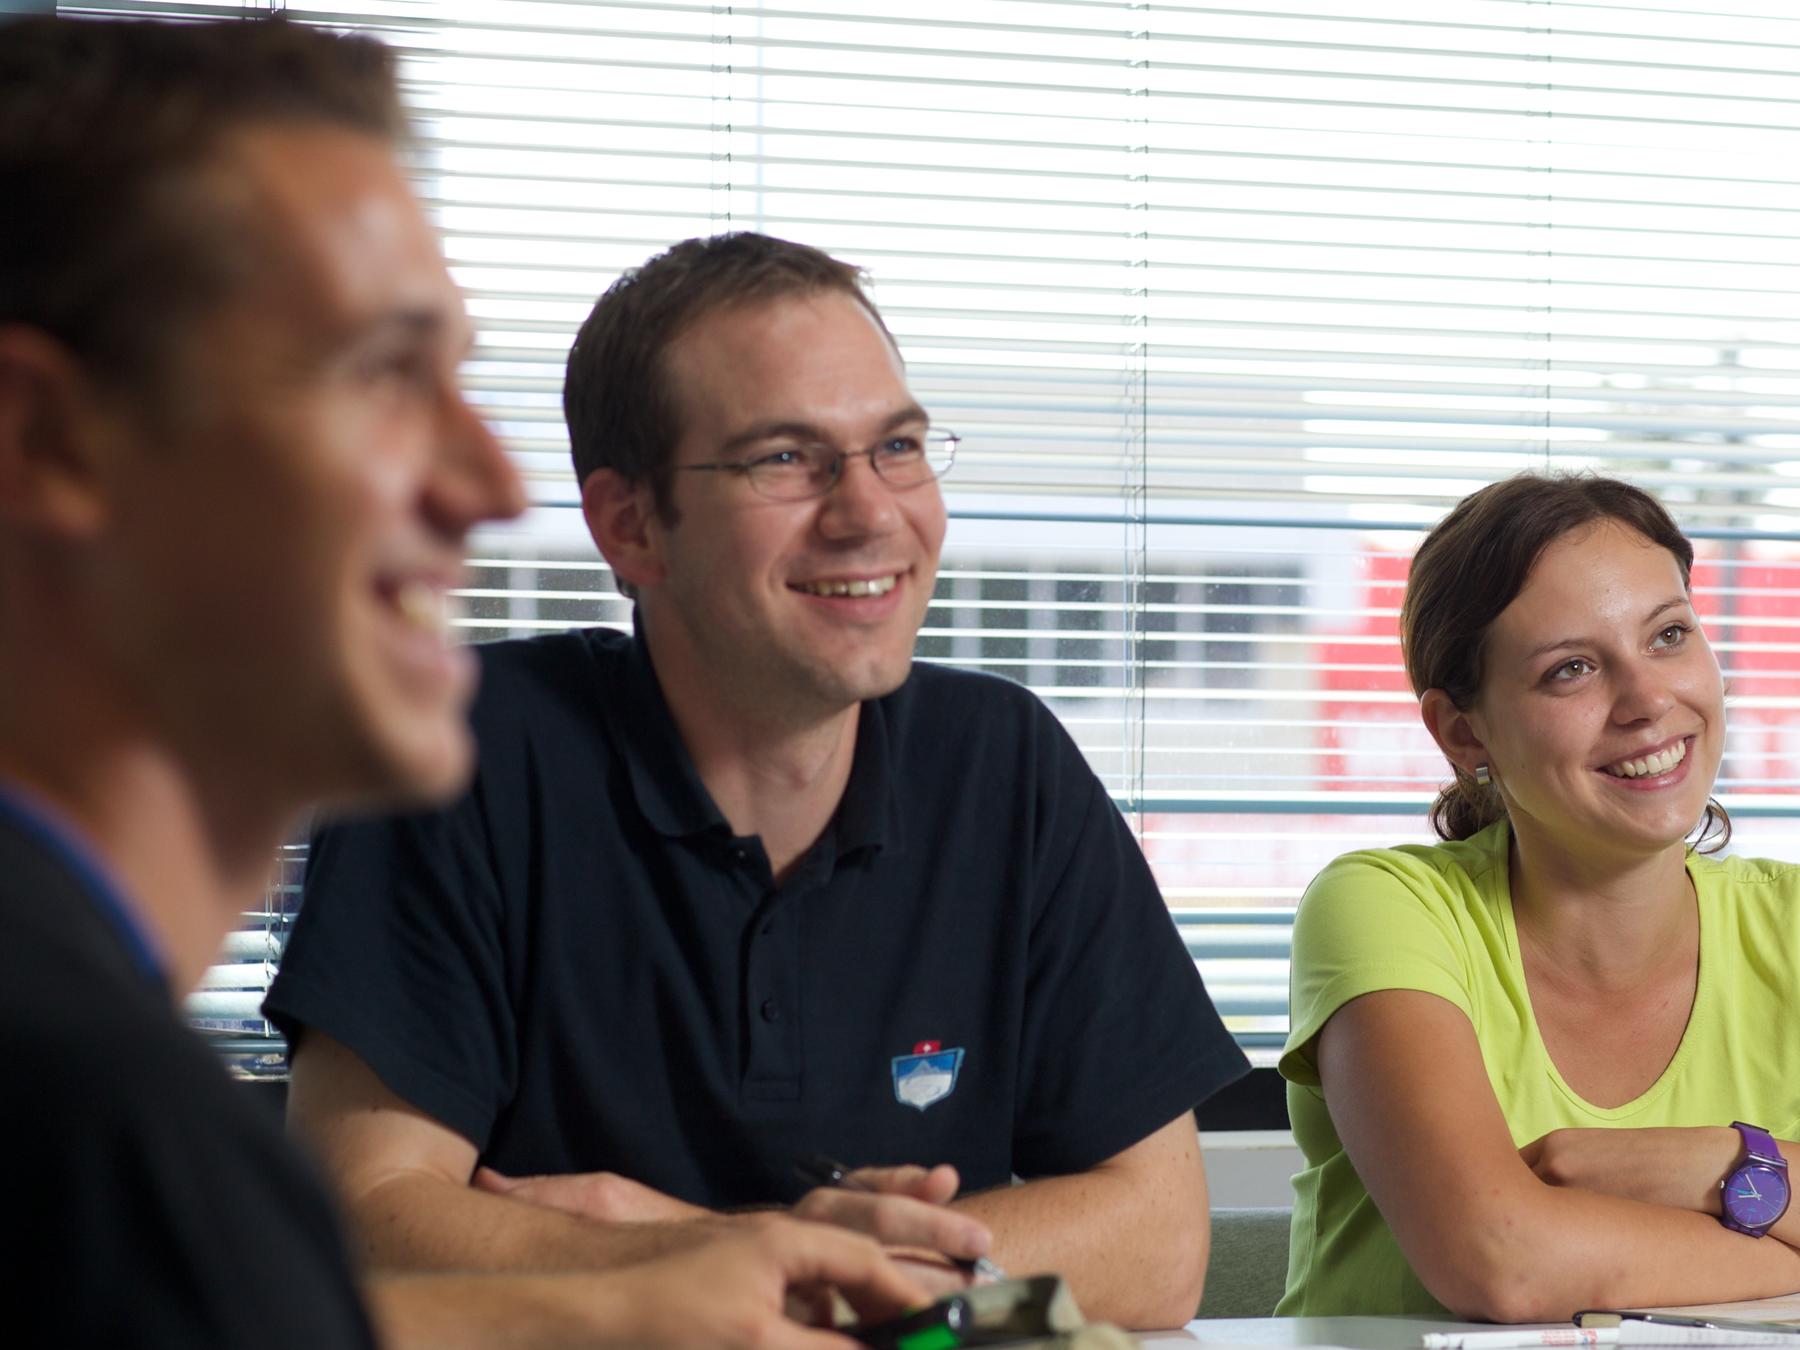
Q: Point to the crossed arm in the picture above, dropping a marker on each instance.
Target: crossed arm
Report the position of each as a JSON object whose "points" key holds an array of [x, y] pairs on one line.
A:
{"points": [[1130, 1234], [1578, 1219]]}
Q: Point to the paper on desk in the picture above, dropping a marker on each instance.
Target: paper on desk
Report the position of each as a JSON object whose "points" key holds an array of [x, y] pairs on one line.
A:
{"points": [[1628, 1333], [1781, 1308], [1664, 1333], [1637, 1326]]}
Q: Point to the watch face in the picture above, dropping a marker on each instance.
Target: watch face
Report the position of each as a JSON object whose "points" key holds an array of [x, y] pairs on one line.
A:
{"points": [[1755, 1195]]}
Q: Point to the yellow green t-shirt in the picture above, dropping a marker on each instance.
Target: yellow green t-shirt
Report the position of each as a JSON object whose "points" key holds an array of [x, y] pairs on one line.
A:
{"points": [[1439, 919]]}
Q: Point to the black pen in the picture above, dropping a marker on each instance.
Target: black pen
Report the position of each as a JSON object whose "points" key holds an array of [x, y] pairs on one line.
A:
{"points": [[815, 1169]]}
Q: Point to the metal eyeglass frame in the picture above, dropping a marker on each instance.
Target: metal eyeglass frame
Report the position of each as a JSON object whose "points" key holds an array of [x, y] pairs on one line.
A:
{"points": [[945, 442]]}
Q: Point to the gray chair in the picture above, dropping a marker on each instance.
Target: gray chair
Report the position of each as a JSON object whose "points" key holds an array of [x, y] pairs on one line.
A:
{"points": [[1247, 1270]]}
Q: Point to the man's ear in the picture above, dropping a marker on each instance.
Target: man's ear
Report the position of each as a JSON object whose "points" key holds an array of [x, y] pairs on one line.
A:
{"points": [[1454, 730], [49, 477], [622, 518]]}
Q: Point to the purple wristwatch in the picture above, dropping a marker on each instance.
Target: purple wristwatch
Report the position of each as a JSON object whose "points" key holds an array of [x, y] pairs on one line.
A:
{"points": [[1754, 1194]]}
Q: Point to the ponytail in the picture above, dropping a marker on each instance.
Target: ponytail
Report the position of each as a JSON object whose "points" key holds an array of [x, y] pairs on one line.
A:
{"points": [[1464, 808]]}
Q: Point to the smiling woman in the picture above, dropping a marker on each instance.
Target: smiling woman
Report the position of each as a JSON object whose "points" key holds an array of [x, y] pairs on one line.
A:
{"points": [[1467, 598], [1521, 1060]]}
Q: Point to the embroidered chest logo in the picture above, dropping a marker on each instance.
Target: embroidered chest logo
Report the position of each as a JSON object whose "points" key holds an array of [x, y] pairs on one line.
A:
{"points": [[927, 1075]]}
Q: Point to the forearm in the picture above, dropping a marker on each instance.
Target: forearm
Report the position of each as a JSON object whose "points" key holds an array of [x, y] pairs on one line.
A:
{"points": [[1683, 1168], [416, 1221], [1680, 1167], [1544, 1254], [405, 1180], [1132, 1254], [485, 1312]]}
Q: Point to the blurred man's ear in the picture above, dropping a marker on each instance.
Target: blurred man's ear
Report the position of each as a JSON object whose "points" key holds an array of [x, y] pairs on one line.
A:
{"points": [[49, 479], [627, 530]]}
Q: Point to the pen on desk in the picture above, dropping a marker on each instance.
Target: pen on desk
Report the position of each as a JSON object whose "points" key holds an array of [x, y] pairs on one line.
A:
{"points": [[815, 1169], [1519, 1340]]}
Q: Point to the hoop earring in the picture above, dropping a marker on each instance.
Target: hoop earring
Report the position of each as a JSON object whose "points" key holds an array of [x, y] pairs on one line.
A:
{"points": [[1482, 777]]}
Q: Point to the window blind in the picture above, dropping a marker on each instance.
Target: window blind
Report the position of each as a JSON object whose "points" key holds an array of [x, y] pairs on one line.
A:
{"points": [[1230, 301]]}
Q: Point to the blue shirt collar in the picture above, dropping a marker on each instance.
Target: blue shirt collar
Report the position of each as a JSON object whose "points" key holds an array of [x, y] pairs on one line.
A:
{"points": [[65, 842]]}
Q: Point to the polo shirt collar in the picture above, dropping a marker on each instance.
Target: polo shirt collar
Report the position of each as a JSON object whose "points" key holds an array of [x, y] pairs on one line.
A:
{"points": [[668, 788], [869, 816], [675, 801]]}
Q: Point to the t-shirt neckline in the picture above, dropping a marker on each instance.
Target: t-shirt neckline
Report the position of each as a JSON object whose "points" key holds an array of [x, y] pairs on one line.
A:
{"points": [[1664, 1081]]}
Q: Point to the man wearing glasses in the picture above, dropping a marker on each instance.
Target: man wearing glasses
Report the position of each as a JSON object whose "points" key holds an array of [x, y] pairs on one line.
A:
{"points": [[747, 886]]}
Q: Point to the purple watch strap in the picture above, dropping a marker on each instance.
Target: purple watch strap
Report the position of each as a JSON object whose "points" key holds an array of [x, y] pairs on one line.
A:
{"points": [[1759, 1144]]}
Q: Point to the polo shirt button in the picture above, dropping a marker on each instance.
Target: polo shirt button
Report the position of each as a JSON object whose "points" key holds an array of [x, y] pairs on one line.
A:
{"points": [[741, 854], [771, 1010]]}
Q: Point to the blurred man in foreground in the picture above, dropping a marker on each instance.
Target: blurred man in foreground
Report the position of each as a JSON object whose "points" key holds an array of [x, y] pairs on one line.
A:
{"points": [[236, 474]]}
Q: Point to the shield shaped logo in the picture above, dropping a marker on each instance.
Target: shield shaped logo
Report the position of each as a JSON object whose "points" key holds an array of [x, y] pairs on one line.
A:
{"points": [[927, 1075]]}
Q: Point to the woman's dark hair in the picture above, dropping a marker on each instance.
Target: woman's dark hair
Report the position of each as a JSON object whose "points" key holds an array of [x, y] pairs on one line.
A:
{"points": [[1472, 565]]}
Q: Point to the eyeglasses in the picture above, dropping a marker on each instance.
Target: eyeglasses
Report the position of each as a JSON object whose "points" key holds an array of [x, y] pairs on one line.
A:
{"points": [[795, 471]]}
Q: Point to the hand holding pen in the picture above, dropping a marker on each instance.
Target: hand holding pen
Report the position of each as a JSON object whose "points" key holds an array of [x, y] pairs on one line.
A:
{"points": [[921, 1219]]}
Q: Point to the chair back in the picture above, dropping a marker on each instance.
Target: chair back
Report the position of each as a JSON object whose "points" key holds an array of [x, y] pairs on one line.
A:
{"points": [[1246, 1273]]}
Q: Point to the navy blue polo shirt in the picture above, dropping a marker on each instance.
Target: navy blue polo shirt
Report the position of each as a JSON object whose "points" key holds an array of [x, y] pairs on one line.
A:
{"points": [[579, 967]]}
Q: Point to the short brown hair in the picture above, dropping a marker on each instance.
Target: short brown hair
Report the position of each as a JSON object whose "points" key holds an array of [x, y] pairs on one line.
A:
{"points": [[620, 409], [109, 239], [1471, 567]]}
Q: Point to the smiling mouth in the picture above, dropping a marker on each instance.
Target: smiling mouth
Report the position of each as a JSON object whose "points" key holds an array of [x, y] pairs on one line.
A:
{"points": [[422, 606], [1649, 766], [846, 586]]}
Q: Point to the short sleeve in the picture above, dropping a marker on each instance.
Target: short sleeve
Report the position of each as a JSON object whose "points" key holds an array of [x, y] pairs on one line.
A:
{"points": [[398, 953], [1382, 919], [1121, 1037]]}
